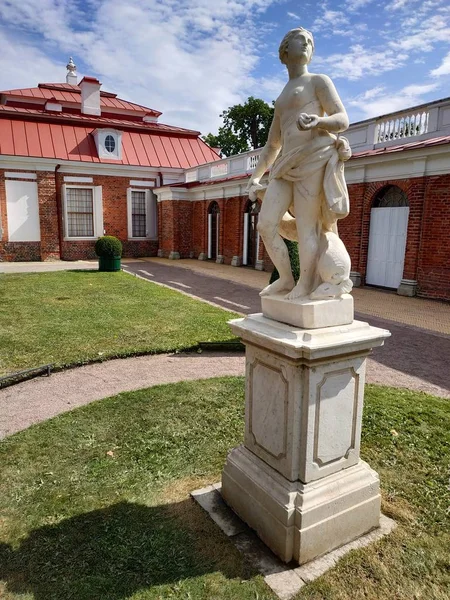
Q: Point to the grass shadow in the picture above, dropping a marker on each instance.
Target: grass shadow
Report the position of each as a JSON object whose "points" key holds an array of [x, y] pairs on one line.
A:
{"points": [[111, 553]]}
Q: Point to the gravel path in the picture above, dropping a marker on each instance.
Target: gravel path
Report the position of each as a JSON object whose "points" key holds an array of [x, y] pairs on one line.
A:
{"points": [[38, 399], [45, 397]]}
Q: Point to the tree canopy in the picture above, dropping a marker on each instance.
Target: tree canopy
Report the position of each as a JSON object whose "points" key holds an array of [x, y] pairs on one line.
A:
{"points": [[245, 127]]}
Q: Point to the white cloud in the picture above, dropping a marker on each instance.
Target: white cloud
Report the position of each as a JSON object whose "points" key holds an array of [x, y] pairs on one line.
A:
{"points": [[443, 69], [372, 93], [269, 88], [335, 22], [189, 59], [355, 5], [23, 65], [294, 16], [396, 4], [433, 30], [379, 101], [331, 19], [361, 62]]}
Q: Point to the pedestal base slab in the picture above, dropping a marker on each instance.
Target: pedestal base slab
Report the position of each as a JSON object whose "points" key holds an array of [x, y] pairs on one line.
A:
{"points": [[301, 521], [309, 314]]}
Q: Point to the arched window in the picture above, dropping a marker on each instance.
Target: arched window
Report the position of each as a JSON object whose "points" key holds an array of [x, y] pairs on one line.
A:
{"points": [[213, 230], [390, 197], [251, 236]]}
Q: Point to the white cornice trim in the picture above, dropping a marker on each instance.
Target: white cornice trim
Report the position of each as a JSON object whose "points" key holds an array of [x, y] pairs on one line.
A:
{"points": [[75, 167], [399, 156]]}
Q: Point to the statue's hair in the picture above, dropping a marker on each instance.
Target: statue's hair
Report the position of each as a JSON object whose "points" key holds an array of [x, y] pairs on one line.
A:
{"points": [[282, 51]]}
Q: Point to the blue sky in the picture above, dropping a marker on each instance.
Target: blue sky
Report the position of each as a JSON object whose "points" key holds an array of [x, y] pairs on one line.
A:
{"points": [[191, 59]]}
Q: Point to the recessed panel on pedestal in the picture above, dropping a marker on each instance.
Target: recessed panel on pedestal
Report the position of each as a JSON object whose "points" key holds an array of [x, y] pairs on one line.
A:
{"points": [[268, 408], [336, 414]]}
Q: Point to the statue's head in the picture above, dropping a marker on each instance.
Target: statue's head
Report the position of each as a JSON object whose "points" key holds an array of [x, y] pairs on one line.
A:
{"points": [[299, 32]]}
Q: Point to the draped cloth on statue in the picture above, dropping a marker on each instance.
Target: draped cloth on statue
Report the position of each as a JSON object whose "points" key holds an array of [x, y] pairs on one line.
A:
{"points": [[326, 151]]}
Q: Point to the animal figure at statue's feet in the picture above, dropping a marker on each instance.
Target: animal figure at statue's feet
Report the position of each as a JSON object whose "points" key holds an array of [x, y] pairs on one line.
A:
{"points": [[333, 268]]}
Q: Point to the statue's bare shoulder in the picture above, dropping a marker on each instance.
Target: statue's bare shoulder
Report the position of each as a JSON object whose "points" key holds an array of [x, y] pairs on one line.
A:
{"points": [[327, 93]]}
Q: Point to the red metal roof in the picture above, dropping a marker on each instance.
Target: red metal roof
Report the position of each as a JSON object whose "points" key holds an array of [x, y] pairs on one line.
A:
{"points": [[65, 92], [65, 141], [39, 113]]}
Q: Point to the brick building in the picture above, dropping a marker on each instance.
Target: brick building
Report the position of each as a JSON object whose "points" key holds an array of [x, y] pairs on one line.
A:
{"points": [[77, 162], [398, 230]]}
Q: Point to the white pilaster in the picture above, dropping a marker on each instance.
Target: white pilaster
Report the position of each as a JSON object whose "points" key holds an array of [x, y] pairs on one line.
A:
{"points": [[244, 258], [209, 235]]}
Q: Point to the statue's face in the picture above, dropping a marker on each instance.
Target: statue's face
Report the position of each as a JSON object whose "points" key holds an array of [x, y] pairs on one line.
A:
{"points": [[300, 48]]}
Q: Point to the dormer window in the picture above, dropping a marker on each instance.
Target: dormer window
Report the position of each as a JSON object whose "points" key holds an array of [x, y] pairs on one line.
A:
{"points": [[109, 143], [53, 105]]}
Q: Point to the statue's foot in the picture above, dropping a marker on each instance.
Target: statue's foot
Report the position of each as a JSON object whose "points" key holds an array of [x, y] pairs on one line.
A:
{"points": [[280, 285], [328, 290], [299, 291], [325, 291]]}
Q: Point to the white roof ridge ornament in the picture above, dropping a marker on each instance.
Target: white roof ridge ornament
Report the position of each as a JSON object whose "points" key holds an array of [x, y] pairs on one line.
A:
{"points": [[71, 76]]}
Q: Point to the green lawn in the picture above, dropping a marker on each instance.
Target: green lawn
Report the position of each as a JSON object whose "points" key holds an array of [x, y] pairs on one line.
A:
{"points": [[74, 317], [94, 504]]}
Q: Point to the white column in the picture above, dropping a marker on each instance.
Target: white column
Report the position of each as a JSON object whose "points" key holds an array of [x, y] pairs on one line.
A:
{"points": [[245, 251], [209, 235], [217, 234]]}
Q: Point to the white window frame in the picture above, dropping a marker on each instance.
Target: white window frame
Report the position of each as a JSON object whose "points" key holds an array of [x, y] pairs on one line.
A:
{"points": [[151, 226], [100, 136], [97, 205]]}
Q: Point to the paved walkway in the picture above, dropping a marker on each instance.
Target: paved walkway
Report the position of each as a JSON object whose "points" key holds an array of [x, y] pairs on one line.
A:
{"points": [[415, 357], [418, 312]]}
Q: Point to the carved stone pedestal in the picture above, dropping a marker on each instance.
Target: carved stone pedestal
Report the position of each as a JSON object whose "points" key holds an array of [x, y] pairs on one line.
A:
{"points": [[298, 481]]}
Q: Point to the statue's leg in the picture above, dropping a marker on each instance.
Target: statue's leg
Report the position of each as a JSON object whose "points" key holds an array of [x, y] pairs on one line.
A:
{"points": [[276, 202], [308, 212]]}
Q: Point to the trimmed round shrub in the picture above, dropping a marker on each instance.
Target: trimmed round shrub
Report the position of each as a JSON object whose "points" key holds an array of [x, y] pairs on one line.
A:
{"points": [[108, 245], [293, 257]]}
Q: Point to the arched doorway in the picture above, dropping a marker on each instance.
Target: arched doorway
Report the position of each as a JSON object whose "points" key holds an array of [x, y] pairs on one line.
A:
{"points": [[251, 235], [213, 230], [387, 238]]}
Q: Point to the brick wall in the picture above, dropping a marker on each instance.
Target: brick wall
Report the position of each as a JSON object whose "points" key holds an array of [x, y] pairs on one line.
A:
{"points": [[200, 227], [53, 245], [175, 227], [183, 227], [350, 227], [427, 255], [433, 273], [48, 215], [233, 234], [115, 220]]}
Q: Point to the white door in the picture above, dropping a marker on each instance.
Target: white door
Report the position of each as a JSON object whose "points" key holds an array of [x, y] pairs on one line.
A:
{"points": [[387, 245]]}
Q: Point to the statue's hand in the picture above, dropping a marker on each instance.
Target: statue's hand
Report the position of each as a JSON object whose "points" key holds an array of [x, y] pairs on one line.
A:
{"points": [[305, 121], [253, 187]]}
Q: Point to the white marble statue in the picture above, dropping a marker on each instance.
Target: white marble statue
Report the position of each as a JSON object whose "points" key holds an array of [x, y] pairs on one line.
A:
{"points": [[306, 179]]}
